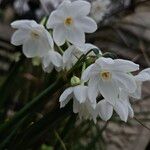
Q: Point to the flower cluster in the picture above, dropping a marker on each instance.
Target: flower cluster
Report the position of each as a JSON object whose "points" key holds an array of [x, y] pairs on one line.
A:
{"points": [[101, 84]]}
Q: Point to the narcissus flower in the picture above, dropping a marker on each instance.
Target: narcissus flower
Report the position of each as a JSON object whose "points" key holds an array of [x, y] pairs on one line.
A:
{"points": [[35, 39], [78, 93], [81, 103], [106, 76], [121, 106], [85, 110], [52, 60], [70, 22], [73, 53]]}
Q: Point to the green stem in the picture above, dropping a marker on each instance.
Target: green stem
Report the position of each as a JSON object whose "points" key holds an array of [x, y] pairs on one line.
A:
{"points": [[68, 44], [7, 140], [83, 67], [60, 140], [146, 127], [79, 62], [43, 21], [28, 108], [66, 130], [4, 90], [42, 127], [60, 50], [99, 135]]}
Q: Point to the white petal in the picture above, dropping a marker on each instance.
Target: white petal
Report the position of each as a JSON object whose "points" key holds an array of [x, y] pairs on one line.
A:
{"points": [[36, 47], [19, 37], [85, 48], [56, 58], [48, 68], [63, 103], [125, 65], [76, 106], [104, 109], [80, 93], [43, 47], [58, 69], [125, 81], [23, 24], [83, 7], [121, 110], [30, 48], [68, 60], [123, 95], [68, 54], [46, 60], [55, 19], [64, 5], [87, 24], [66, 96], [86, 74], [52, 59], [90, 71], [138, 92], [49, 38], [109, 91], [75, 36], [147, 70], [92, 111], [130, 110], [59, 35], [93, 90], [144, 75], [105, 63]]}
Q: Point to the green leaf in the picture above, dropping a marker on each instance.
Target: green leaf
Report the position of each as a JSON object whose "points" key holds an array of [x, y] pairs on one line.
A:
{"points": [[36, 103]]}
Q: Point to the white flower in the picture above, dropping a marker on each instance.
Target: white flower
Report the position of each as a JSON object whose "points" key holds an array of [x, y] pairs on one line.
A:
{"points": [[121, 106], [35, 39], [78, 93], [51, 60], [106, 76], [73, 53], [70, 22], [85, 110], [99, 9], [143, 76], [81, 103]]}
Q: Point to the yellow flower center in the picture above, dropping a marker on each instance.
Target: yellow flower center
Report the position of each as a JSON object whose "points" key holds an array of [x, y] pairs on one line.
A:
{"points": [[105, 75], [35, 34], [68, 21]]}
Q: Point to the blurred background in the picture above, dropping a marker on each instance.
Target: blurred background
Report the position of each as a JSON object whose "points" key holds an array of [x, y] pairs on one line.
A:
{"points": [[124, 29]]}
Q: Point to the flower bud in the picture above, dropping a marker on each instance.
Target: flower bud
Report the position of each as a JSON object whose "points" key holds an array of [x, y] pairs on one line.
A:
{"points": [[75, 81], [36, 61]]}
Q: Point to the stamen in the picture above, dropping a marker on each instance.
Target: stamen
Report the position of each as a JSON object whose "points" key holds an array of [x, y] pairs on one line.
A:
{"points": [[105, 75], [68, 21]]}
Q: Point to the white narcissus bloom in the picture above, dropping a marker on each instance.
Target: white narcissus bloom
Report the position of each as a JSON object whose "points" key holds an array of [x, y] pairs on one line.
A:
{"points": [[106, 76], [70, 22], [143, 76], [121, 106], [85, 110], [52, 60], [73, 53], [81, 103], [36, 40], [99, 9], [78, 93]]}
